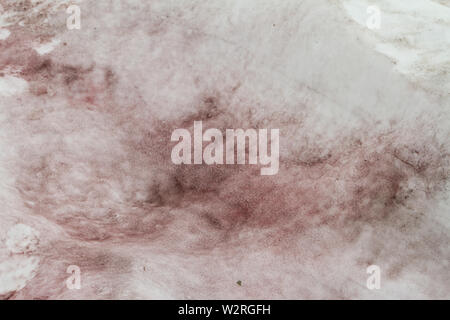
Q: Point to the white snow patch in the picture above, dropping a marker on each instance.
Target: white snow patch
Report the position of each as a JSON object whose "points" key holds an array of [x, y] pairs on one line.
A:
{"points": [[47, 47], [414, 33], [10, 85], [16, 272], [4, 34], [22, 239]]}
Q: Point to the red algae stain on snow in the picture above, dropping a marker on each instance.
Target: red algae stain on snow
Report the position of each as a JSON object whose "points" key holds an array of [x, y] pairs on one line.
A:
{"points": [[92, 164]]}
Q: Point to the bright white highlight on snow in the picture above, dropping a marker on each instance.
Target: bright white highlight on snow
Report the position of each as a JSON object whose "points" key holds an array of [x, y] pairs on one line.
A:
{"points": [[10, 85], [4, 34], [47, 47]]}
